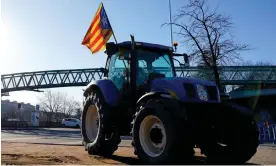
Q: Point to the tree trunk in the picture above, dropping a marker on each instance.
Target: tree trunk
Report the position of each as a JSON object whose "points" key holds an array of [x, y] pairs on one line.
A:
{"points": [[217, 79], [215, 67]]}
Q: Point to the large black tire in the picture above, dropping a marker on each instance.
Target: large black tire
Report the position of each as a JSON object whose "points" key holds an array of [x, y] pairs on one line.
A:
{"points": [[178, 147], [108, 138], [241, 143]]}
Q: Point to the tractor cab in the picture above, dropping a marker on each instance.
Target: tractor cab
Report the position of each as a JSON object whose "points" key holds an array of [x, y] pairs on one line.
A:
{"points": [[150, 61]]}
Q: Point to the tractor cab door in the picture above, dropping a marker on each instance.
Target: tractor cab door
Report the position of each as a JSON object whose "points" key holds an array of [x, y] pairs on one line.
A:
{"points": [[117, 71], [141, 72]]}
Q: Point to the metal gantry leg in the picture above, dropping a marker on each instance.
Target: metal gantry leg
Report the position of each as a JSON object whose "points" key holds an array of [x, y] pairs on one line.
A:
{"points": [[267, 134], [274, 134]]}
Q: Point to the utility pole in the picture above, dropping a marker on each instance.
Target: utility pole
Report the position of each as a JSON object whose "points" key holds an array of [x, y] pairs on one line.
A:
{"points": [[171, 22], [19, 106]]}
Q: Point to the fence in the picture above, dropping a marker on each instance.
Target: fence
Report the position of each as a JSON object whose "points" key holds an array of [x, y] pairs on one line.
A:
{"points": [[267, 134]]}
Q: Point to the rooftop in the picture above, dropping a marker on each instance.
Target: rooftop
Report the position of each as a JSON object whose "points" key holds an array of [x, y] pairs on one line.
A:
{"points": [[146, 45]]}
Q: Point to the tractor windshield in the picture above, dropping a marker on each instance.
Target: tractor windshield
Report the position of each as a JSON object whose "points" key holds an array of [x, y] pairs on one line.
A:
{"points": [[148, 62], [152, 62], [155, 62]]}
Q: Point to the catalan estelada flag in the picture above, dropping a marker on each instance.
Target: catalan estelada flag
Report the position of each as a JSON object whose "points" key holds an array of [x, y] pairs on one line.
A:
{"points": [[99, 31]]}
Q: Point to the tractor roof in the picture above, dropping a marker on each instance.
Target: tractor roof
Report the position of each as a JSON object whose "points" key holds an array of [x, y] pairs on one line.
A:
{"points": [[146, 45]]}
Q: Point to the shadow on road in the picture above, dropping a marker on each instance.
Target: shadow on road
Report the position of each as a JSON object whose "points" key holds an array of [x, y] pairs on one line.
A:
{"points": [[126, 160], [198, 160]]}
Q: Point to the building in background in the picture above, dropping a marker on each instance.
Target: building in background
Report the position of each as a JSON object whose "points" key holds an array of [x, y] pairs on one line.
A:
{"points": [[27, 112], [10, 111]]}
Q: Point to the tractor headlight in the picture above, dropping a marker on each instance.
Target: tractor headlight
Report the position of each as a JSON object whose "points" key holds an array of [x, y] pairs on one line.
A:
{"points": [[201, 92]]}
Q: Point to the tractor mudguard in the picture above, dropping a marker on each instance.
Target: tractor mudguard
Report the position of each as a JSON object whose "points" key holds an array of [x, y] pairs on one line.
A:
{"points": [[167, 100], [108, 89], [151, 95]]}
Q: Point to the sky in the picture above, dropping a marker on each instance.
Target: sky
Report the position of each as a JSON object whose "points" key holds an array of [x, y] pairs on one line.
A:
{"points": [[47, 34]]}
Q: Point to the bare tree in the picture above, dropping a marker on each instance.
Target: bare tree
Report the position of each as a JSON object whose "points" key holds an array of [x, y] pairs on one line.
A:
{"points": [[208, 34], [52, 103], [78, 113], [69, 107]]}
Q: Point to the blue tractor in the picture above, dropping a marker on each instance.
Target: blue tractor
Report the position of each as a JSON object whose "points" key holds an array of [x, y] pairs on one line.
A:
{"points": [[166, 116]]}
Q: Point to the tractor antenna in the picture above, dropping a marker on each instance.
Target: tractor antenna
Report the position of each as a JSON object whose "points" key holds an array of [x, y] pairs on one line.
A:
{"points": [[132, 42]]}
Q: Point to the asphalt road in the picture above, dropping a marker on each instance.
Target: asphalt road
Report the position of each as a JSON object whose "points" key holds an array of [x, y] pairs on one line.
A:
{"points": [[59, 136]]}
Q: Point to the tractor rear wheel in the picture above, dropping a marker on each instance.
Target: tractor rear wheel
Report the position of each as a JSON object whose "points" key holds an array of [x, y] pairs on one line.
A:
{"points": [[158, 137], [240, 142], [98, 136], [241, 149]]}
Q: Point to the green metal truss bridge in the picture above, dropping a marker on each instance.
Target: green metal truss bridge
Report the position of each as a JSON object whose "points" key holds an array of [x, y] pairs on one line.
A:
{"points": [[229, 75]]}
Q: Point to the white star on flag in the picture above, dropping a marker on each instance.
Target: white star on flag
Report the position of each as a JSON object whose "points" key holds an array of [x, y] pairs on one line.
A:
{"points": [[104, 21]]}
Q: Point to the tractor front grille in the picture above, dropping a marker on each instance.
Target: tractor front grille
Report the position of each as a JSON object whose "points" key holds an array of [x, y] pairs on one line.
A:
{"points": [[190, 90]]}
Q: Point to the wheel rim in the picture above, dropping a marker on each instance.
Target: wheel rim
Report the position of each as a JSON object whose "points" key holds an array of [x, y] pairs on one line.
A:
{"points": [[92, 123], [152, 136]]}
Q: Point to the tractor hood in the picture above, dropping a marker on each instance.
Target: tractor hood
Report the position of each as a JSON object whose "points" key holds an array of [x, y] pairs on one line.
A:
{"points": [[187, 89]]}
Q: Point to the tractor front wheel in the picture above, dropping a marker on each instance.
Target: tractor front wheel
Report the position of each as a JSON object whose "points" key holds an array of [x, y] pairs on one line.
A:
{"points": [[158, 137], [98, 136]]}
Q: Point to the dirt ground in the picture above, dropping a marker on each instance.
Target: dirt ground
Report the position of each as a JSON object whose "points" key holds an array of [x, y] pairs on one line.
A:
{"points": [[30, 153]]}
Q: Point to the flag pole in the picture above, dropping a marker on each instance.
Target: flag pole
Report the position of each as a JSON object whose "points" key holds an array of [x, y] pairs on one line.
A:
{"points": [[110, 26], [114, 36]]}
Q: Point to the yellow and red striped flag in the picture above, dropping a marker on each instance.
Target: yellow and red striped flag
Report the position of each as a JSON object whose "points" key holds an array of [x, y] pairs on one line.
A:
{"points": [[99, 31]]}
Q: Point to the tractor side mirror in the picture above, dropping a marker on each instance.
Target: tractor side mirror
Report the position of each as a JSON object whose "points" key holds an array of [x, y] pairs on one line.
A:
{"points": [[186, 59], [185, 56], [111, 48]]}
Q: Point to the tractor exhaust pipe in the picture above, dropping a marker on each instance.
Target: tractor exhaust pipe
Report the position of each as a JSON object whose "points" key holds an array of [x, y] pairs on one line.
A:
{"points": [[133, 56]]}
